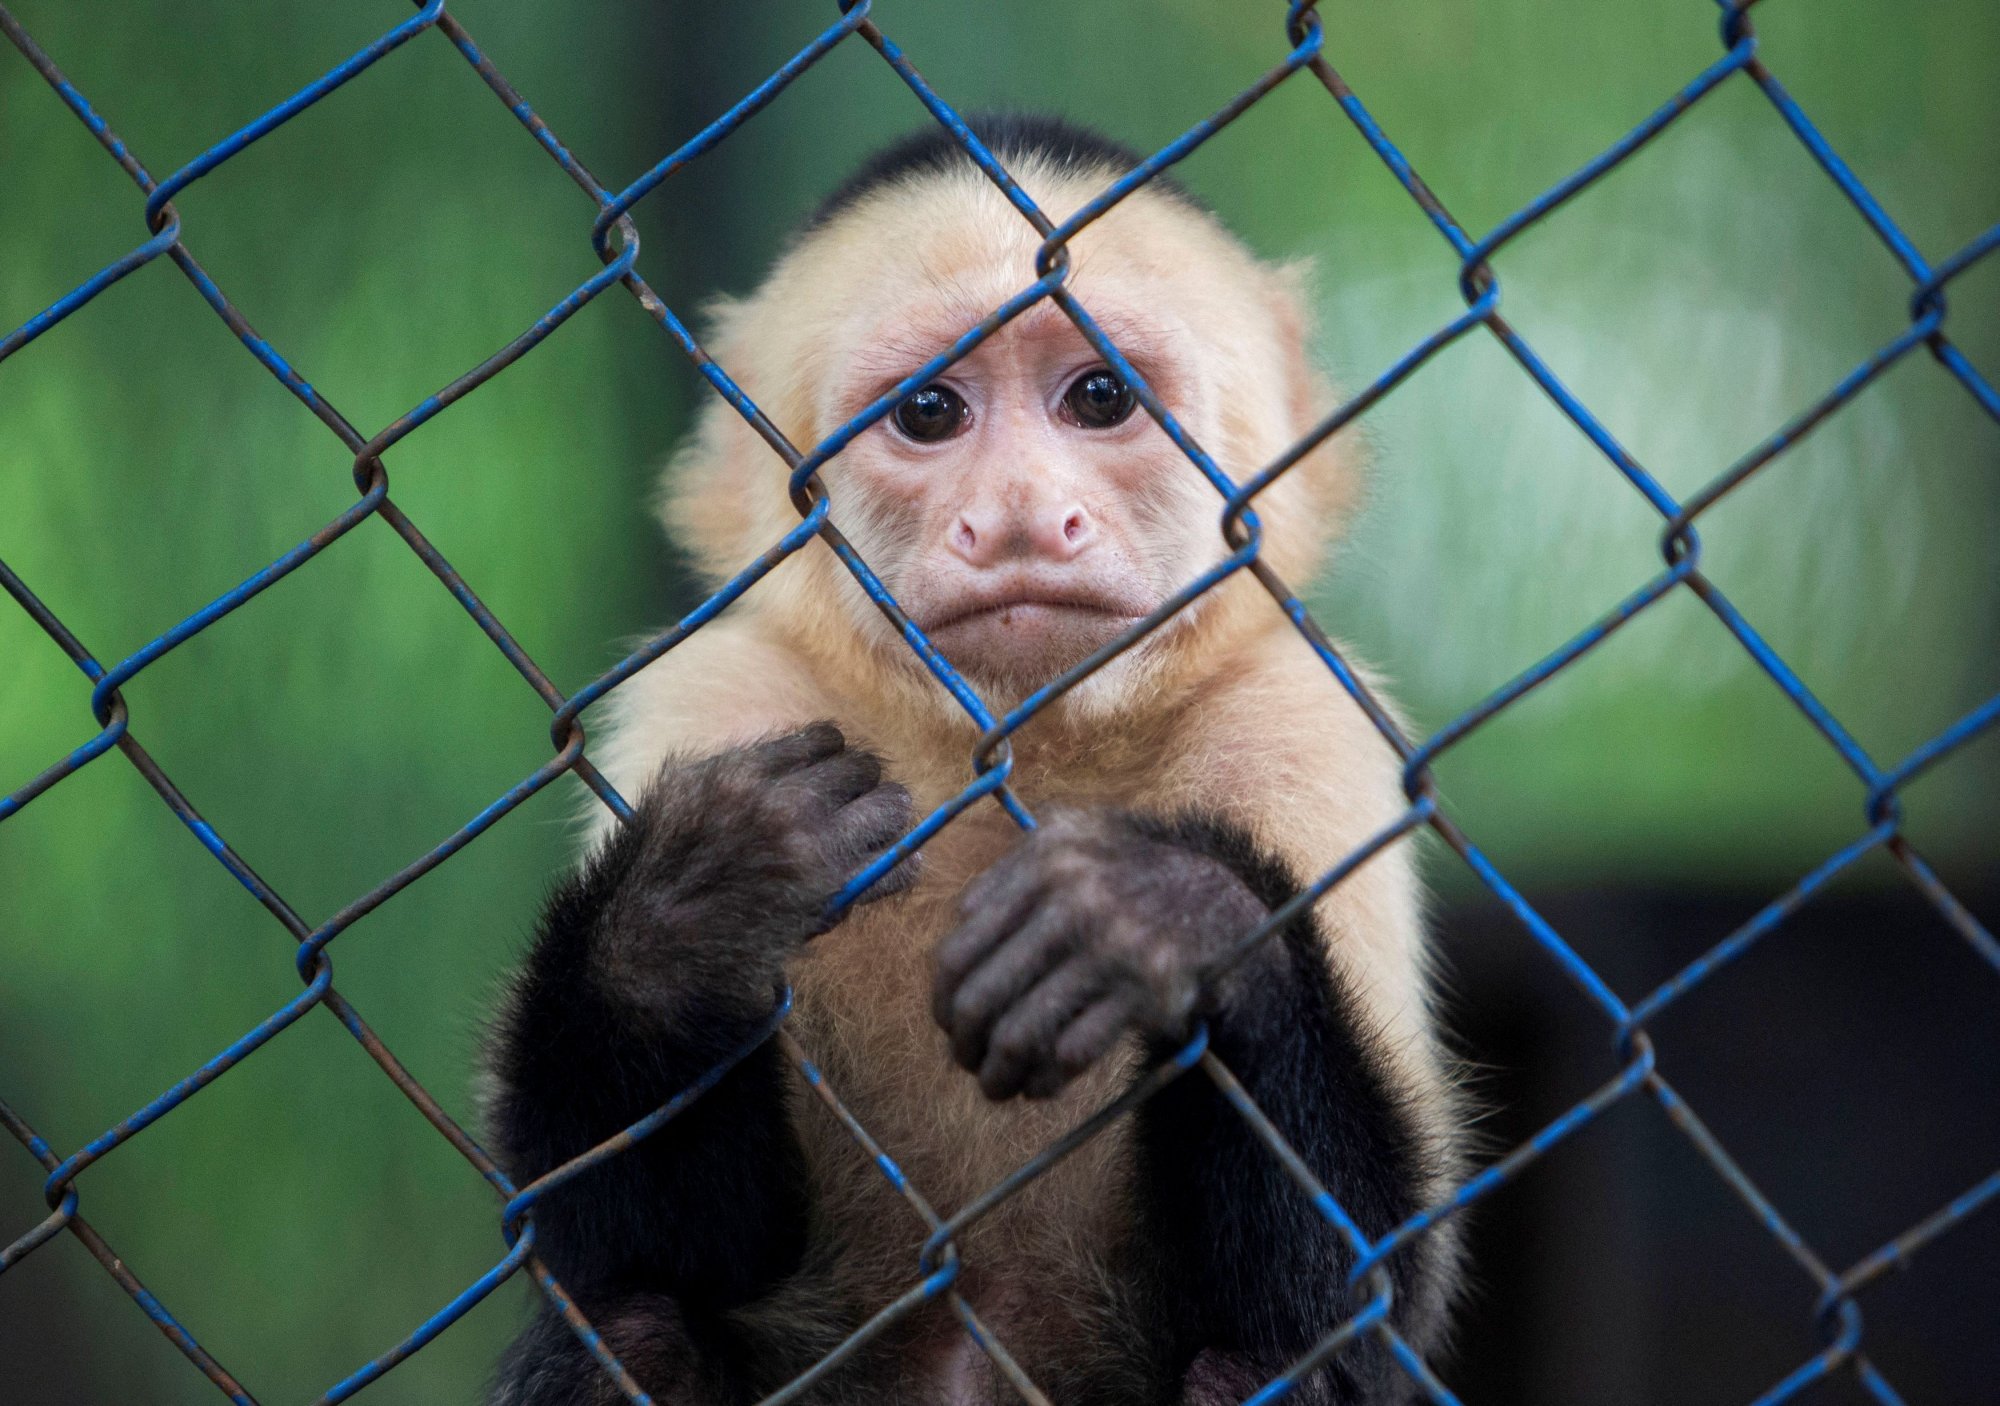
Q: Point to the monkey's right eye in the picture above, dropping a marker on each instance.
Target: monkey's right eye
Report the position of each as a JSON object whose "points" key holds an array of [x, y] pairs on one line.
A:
{"points": [[932, 414]]}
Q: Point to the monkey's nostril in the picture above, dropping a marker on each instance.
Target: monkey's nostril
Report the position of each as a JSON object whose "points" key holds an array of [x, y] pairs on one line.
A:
{"points": [[1073, 526], [965, 538]]}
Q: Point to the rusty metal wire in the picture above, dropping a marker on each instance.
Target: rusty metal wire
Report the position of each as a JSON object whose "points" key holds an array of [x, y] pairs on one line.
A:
{"points": [[1300, 47]]}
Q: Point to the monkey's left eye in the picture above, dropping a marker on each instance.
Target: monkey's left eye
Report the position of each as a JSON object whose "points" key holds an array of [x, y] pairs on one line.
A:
{"points": [[931, 414], [1099, 399]]}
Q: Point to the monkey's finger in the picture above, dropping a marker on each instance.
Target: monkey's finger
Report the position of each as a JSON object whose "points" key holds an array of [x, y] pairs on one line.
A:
{"points": [[1003, 882], [899, 879], [837, 779], [865, 827], [774, 756], [1022, 1049], [870, 822], [989, 907], [999, 910], [1012, 969], [1088, 1039], [980, 928]]}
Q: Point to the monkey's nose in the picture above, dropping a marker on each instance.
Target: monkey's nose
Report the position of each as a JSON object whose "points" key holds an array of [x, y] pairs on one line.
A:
{"points": [[1063, 534], [1058, 533]]}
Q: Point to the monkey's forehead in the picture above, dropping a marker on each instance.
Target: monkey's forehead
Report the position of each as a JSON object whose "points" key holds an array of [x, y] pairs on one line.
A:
{"points": [[908, 269], [952, 240]]}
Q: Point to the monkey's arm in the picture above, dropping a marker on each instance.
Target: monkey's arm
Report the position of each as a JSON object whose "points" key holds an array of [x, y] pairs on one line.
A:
{"points": [[654, 963], [1101, 923]]}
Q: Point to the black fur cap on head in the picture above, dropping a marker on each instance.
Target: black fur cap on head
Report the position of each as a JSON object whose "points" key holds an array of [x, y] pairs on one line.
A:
{"points": [[1066, 145]]}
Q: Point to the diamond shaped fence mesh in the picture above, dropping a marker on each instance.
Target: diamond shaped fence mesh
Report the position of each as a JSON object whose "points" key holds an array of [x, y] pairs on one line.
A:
{"points": [[1301, 52]]}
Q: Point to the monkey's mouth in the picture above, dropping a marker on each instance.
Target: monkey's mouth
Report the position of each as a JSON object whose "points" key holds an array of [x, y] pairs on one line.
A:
{"points": [[1031, 607], [1031, 611], [1030, 634]]}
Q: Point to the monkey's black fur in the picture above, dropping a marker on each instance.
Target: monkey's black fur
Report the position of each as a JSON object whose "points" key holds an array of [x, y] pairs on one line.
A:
{"points": [[1259, 1269], [663, 954], [655, 962], [1066, 145]]}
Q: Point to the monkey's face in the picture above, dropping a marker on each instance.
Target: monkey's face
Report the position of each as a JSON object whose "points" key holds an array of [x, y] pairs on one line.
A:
{"points": [[1022, 507]]}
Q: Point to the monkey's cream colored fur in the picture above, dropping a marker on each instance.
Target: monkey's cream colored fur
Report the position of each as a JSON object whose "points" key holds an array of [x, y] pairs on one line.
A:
{"points": [[1227, 710]]}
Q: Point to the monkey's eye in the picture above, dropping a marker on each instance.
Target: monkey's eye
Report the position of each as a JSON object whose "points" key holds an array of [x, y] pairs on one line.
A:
{"points": [[1099, 399], [931, 414]]}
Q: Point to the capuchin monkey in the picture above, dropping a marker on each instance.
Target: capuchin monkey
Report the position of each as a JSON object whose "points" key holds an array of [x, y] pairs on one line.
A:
{"points": [[1007, 984]]}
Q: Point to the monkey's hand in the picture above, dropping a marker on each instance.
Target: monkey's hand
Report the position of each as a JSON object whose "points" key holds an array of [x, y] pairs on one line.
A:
{"points": [[728, 862], [1095, 924]]}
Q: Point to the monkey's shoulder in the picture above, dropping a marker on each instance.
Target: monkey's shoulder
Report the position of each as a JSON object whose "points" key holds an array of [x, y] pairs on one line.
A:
{"points": [[1228, 758], [727, 684]]}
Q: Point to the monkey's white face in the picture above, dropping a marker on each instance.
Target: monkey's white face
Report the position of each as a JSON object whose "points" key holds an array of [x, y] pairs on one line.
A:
{"points": [[1023, 510], [1023, 507]]}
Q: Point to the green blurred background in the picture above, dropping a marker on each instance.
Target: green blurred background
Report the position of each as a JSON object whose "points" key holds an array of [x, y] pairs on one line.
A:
{"points": [[299, 1216]]}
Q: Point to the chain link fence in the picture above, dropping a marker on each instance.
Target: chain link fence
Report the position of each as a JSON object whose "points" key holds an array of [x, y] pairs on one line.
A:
{"points": [[1302, 48]]}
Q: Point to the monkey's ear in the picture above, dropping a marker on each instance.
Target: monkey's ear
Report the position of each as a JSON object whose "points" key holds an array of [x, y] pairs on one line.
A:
{"points": [[1291, 298], [1327, 481], [723, 493]]}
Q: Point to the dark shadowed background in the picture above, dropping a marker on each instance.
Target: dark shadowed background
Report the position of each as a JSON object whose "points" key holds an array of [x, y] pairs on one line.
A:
{"points": [[300, 1217]]}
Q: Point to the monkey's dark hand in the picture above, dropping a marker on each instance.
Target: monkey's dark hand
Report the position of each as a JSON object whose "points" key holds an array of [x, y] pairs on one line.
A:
{"points": [[727, 864], [1090, 927]]}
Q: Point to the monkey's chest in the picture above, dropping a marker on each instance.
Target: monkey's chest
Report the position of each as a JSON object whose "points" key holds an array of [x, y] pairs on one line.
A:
{"points": [[1034, 1265]]}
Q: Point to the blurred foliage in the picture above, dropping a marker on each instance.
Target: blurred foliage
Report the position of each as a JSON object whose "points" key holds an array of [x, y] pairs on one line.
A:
{"points": [[299, 1216]]}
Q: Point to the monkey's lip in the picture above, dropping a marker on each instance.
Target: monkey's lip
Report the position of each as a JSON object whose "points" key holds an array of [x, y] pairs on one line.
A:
{"points": [[1032, 604]]}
